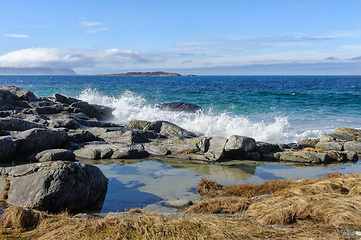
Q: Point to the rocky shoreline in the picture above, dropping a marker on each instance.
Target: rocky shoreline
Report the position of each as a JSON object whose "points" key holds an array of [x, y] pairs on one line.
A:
{"points": [[52, 132]]}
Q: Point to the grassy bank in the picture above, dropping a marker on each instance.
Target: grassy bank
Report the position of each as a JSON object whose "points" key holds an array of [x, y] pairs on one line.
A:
{"points": [[303, 209]]}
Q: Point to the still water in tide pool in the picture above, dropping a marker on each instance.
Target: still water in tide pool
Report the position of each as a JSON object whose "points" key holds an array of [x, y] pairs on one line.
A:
{"points": [[149, 183]]}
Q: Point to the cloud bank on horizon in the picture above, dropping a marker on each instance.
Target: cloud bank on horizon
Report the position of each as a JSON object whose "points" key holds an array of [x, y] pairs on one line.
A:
{"points": [[233, 38]]}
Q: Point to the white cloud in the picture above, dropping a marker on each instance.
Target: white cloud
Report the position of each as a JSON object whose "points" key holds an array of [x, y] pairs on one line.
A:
{"points": [[97, 30], [89, 24], [74, 58], [16, 35]]}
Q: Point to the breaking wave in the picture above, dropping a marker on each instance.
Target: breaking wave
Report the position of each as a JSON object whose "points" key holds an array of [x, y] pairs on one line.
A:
{"points": [[129, 106]]}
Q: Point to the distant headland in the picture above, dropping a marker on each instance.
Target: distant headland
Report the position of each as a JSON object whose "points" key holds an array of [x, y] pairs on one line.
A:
{"points": [[158, 73]]}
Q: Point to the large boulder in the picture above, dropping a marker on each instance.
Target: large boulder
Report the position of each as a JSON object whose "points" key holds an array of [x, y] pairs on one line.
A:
{"points": [[52, 155], [38, 139], [52, 186], [22, 94]]}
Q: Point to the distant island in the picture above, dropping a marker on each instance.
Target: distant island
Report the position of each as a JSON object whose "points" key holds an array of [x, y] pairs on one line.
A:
{"points": [[158, 73]]}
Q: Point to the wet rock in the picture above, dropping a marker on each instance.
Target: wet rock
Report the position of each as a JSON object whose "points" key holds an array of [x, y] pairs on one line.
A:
{"points": [[52, 155], [180, 107], [65, 100], [53, 186]]}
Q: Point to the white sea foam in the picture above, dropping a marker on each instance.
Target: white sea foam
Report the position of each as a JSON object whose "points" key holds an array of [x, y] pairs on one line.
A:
{"points": [[129, 106]]}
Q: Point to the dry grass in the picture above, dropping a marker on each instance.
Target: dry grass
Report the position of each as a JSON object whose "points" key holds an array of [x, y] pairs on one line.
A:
{"points": [[156, 226], [220, 205], [208, 187], [334, 200]]}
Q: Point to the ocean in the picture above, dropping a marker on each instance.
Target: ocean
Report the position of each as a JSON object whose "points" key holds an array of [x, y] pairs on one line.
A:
{"points": [[275, 109]]}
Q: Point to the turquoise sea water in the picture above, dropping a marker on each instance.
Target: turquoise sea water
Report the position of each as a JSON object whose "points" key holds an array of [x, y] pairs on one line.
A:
{"points": [[276, 109]]}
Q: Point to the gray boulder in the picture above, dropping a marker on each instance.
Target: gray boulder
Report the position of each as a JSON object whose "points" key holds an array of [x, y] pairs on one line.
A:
{"points": [[16, 124], [22, 94], [353, 146], [338, 146], [38, 139], [134, 151], [52, 155], [53, 186]]}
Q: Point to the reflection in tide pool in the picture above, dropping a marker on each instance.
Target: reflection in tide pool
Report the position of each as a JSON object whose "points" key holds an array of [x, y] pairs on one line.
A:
{"points": [[148, 183]]}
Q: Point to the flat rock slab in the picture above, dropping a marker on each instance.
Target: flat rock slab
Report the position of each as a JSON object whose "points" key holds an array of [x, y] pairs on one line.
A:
{"points": [[53, 186]]}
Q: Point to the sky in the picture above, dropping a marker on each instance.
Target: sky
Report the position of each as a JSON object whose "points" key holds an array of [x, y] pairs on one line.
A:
{"points": [[228, 37]]}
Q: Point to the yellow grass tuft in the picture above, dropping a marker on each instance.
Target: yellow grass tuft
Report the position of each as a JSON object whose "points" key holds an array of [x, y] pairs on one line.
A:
{"points": [[220, 205], [208, 187]]}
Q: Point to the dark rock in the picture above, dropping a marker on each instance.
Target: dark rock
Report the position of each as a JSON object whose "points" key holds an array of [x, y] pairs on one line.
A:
{"points": [[52, 155], [180, 107], [53, 186], [266, 148], [16, 124], [38, 139], [22, 94], [65, 100], [94, 111], [80, 136], [95, 152]]}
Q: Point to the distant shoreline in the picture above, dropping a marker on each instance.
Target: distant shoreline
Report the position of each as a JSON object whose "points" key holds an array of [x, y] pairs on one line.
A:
{"points": [[158, 73]]}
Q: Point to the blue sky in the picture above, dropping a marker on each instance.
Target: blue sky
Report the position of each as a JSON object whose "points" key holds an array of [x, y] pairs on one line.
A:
{"points": [[189, 37]]}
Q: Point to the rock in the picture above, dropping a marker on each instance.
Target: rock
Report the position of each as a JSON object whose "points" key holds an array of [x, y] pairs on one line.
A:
{"points": [[128, 136], [22, 94], [236, 144], [38, 139], [53, 186], [338, 146], [156, 148], [53, 155], [180, 107], [266, 148], [8, 147], [256, 156], [95, 152], [167, 128], [214, 148], [65, 100], [137, 124], [309, 142], [93, 110], [181, 203], [134, 151], [81, 136], [64, 122], [15, 124], [303, 157], [353, 146]]}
